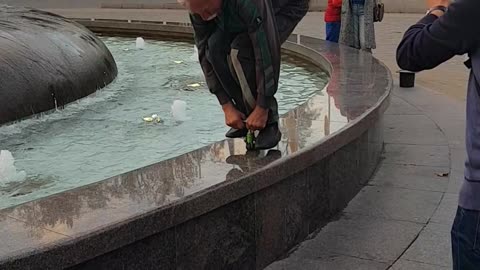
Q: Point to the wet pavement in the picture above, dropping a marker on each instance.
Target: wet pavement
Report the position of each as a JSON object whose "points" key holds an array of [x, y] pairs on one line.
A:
{"points": [[401, 220]]}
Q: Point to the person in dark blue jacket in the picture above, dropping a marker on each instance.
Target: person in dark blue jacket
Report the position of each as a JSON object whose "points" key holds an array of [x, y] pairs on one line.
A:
{"points": [[446, 31]]}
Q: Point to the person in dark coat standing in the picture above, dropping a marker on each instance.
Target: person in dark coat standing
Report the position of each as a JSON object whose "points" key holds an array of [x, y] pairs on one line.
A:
{"points": [[358, 29], [446, 31]]}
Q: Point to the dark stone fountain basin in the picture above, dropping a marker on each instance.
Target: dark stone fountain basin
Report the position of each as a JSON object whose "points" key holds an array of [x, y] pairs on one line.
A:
{"points": [[47, 61], [217, 207]]}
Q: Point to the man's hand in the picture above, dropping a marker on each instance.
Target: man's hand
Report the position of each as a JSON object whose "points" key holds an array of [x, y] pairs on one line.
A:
{"points": [[257, 119], [434, 3], [233, 118]]}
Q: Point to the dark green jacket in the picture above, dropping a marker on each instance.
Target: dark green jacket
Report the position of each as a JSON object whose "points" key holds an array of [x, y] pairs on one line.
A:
{"points": [[257, 17]]}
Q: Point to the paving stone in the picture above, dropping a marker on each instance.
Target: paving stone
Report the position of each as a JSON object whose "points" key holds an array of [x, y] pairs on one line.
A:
{"points": [[399, 106], [445, 213], [457, 159], [411, 177], [395, 203], [455, 182], [413, 129], [364, 237], [454, 130], [419, 155], [328, 262], [420, 96], [427, 100], [432, 246], [409, 265], [454, 111]]}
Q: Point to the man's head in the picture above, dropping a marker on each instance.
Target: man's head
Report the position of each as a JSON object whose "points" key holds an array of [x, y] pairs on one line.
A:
{"points": [[207, 9]]}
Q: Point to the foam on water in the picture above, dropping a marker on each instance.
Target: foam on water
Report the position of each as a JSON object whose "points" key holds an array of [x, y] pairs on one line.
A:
{"points": [[70, 110], [140, 43], [8, 172], [195, 54], [179, 110]]}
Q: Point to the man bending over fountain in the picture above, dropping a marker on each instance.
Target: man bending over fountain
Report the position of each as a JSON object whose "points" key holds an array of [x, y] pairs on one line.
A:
{"points": [[239, 44]]}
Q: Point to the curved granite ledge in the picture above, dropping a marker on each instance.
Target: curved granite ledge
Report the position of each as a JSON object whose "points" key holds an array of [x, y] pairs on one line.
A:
{"points": [[47, 61], [217, 207]]}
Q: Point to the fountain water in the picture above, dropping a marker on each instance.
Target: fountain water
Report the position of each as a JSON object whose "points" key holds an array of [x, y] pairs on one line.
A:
{"points": [[195, 54], [131, 123], [140, 43], [8, 172], [179, 110]]}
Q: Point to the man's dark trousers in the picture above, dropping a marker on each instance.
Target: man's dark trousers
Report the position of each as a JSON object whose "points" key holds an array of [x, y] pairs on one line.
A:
{"points": [[219, 49], [466, 240]]}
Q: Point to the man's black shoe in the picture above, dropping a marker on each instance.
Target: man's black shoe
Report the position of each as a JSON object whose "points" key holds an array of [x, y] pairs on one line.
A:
{"points": [[236, 133], [268, 137]]}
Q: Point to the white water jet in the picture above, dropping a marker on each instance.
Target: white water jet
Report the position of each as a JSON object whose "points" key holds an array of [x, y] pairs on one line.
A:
{"points": [[8, 172], [179, 110], [194, 56], [140, 43]]}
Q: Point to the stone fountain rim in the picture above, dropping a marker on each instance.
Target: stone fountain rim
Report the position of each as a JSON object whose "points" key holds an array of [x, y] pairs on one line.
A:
{"points": [[204, 201]]}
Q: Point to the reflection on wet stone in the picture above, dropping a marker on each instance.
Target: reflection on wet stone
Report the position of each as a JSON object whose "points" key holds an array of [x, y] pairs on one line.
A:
{"points": [[249, 162], [16, 240], [148, 188]]}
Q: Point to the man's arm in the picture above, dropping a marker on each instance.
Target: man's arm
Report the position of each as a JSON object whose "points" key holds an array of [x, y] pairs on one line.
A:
{"points": [[203, 30], [434, 40], [261, 28]]}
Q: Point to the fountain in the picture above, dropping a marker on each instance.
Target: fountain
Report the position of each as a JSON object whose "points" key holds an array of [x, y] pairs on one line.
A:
{"points": [[47, 62], [139, 119], [140, 43], [116, 185], [179, 110], [8, 172]]}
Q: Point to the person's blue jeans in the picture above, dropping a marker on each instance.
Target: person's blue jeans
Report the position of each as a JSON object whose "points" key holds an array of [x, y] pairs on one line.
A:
{"points": [[466, 240], [333, 31], [358, 12]]}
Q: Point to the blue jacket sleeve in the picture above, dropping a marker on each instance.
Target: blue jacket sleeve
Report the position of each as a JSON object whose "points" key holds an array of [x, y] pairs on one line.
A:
{"points": [[433, 40]]}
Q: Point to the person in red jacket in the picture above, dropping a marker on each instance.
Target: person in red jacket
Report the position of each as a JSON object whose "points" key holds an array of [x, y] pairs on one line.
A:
{"points": [[333, 19]]}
